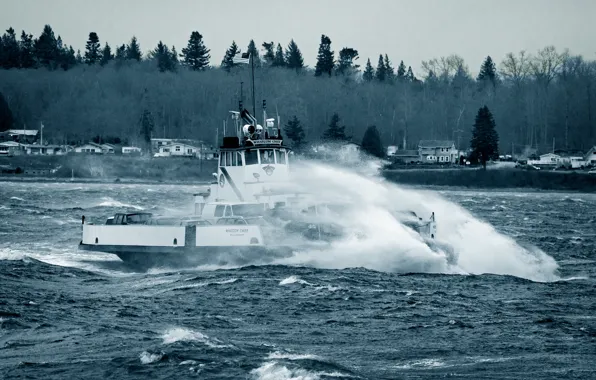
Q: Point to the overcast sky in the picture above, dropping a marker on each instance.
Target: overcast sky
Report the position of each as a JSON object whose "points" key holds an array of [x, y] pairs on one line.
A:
{"points": [[408, 30]]}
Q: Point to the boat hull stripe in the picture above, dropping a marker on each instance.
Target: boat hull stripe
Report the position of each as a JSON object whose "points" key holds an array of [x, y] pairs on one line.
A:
{"points": [[231, 182]]}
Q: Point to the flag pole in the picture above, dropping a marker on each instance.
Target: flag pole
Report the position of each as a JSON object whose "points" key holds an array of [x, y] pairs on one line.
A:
{"points": [[252, 68]]}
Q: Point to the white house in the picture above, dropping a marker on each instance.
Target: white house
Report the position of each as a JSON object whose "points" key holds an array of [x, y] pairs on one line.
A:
{"points": [[590, 158], [11, 148], [51, 150], [108, 149], [391, 150], [177, 149], [92, 148], [547, 159], [437, 151], [131, 150]]}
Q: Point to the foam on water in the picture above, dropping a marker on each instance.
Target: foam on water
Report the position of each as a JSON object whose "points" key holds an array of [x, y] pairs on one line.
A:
{"points": [[391, 246]]}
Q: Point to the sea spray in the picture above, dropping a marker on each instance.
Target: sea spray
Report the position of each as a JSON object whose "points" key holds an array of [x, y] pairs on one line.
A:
{"points": [[388, 245]]}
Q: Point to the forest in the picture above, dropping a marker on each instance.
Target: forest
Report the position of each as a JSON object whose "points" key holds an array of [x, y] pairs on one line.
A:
{"points": [[542, 100]]}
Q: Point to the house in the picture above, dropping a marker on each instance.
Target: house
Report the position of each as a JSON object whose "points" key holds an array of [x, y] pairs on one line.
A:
{"points": [[158, 143], [36, 149], [177, 149], [91, 147], [131, 150], [406, 156], [23, 136], [108, 149], [590, 157], [391, 150], [12, 148], [437, 151], [547, 159]]}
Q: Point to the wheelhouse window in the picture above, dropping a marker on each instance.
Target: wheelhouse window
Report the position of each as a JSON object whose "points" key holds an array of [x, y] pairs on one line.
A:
{"points": [[177, 148], [281, 157], [267, 156], [219, 211], [251, 157], [248, 210], [239, 158], [222, 159]]}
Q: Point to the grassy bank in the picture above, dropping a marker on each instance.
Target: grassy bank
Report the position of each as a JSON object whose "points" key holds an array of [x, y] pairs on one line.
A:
{"points": [[505, 178], [89, 167]]}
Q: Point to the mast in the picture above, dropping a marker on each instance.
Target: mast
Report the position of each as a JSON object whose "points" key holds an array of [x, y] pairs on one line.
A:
{"points": [[252, 69]]}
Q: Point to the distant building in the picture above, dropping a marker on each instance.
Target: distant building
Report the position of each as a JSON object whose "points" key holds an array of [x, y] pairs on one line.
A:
{"points": [[157, 143], [89, 148], [406, 156], [437, 151], [590, 157], [108, 149], [23, 136], [36, 149], [546, 160], [12, 148], [391, 150], [131, 150], [177, 149]]}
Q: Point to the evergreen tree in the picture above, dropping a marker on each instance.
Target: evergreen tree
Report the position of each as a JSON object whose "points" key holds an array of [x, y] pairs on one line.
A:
{"points": [[371, 142], [334, 132], [228, 60], [325, 60], [488, 72], [106, 55], [345, 62], [381, 74], [133, 50], [163, 56], [269, 54], [147, 125], [10, 57], [389, 71], [195, 55], [254, 53], [295, 132], [279, 60], [120, 53], [92, 49], [401, 71], [68, 58], [6, 118], [79, 58], [410, 75], [27, 57], [369, 73], [174, 59], [46, 49], [294, 58], [485, 140]]}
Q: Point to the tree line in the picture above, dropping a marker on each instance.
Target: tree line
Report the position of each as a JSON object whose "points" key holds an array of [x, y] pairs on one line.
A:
{"points": [[537, 100]]}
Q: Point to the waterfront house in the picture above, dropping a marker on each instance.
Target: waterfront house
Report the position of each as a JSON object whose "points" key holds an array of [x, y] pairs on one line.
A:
{"points": [[89, 148], [437, 151]]}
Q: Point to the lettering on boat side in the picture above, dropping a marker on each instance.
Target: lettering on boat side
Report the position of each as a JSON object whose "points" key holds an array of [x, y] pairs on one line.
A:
{"points": [[237, 230]]}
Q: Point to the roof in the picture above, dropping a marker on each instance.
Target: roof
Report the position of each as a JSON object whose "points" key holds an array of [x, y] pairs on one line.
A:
{"points": [[177, 143], [90, 144], [435, 144], [10, 143], [549, 155], [26, 132], [108, 146]]}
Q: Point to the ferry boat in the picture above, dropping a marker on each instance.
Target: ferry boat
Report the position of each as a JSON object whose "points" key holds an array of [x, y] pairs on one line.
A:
{"points": [[250, 212]]}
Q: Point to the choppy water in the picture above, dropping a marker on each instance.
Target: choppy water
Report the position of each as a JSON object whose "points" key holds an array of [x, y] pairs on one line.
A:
{"points": [[353, 314]]}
